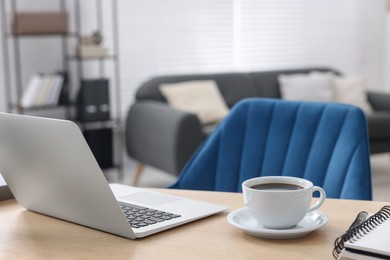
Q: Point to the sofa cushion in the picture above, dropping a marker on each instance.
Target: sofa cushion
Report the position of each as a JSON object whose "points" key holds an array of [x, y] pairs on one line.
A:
{"points": [[208, 129], [233, 86], [296, 86], [379, 125], [351, 90], [201, 97], [266, 82]]}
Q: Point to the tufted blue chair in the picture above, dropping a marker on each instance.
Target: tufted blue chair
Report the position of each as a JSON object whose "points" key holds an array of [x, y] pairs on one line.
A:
{"points": [[326, 143]]}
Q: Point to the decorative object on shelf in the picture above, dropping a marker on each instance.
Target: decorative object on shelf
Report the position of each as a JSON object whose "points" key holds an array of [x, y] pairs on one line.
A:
{"points": [[91, 46], [92, 103], [24, 23]]}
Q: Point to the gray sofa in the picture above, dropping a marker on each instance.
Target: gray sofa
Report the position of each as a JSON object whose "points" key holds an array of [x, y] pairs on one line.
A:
{"points": [[164, 137]]}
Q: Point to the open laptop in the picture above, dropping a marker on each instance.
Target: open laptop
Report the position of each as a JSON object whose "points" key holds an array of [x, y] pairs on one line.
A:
{"points": [[50, 169]]}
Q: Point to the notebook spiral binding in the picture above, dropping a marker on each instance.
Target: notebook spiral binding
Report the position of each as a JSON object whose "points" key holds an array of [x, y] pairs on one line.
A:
{"points": [[355, 233]]}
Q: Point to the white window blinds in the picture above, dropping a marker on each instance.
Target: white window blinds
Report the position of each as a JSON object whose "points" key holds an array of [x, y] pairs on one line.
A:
{"points": [[279, 34]]}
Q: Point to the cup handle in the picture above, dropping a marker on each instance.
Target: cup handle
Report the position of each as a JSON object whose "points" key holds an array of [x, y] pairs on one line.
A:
{"points": [[321, 199]]}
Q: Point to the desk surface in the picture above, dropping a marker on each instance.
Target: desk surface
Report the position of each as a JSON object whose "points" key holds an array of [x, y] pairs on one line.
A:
{"points": [[27, 235]]}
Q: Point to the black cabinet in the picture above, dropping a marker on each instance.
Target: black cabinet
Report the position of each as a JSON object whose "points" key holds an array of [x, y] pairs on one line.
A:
{"points": [[100, 140]]}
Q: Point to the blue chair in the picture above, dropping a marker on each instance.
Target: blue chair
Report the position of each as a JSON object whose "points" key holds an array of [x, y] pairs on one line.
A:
{"points": [[326, 143]]}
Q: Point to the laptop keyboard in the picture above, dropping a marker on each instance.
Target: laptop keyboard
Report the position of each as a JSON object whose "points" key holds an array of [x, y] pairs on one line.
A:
{"points": [[141, 217]]}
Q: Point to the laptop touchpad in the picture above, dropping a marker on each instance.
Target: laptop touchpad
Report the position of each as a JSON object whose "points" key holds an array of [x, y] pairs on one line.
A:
{"points": [[148, 198]]}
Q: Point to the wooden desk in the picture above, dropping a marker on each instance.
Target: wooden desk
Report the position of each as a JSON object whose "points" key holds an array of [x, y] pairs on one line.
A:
{"points": [[27, 235]]}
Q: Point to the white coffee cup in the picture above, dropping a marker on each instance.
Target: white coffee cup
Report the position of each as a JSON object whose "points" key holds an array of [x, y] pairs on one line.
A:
{"points": [[280, 202]]}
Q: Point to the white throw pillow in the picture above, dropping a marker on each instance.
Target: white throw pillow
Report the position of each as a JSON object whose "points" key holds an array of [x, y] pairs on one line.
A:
{"points": [[201, 97], [351, 90], [314, 86]]}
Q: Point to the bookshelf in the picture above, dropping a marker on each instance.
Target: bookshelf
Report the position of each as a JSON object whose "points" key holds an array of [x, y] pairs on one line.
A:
{"points": [[72, 66]]}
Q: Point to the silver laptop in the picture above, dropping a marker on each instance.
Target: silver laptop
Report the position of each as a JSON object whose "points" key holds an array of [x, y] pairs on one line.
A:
{"points": [[50, 169]]}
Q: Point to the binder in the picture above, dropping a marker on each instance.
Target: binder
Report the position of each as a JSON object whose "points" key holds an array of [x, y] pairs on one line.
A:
{"points": [[92, 102], [368, 239]]}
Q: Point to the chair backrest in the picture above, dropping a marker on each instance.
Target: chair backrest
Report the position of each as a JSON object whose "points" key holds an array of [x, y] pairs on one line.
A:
{"points": [[326, 143]]}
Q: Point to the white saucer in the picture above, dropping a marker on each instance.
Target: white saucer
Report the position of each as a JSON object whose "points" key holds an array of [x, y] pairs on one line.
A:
{"points": [[244, 221]]}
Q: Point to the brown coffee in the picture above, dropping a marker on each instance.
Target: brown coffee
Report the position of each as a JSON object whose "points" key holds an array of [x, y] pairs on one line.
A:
{"points": [[276, 186]]}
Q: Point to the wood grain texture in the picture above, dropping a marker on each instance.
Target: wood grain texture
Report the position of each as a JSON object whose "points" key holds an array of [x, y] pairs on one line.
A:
{"points": [[28, 235]]}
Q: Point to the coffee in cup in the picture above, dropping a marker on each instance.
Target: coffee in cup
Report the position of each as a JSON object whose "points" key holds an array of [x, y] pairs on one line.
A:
{"points": [[280, 202]]}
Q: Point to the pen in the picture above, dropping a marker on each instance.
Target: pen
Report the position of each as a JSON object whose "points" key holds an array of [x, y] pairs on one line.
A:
{"points": [[360, 218]]}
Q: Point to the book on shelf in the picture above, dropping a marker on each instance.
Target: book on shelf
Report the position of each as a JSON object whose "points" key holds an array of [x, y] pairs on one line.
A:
{"points": [[43, 90], [367, 238], [40, 99], [64, 91], [31, 91], [55, 91]]}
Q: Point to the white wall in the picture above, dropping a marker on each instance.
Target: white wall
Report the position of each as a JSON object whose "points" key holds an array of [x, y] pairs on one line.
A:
{"points": [[177, 36], [3, 105], [374, 44], [386, 68]]}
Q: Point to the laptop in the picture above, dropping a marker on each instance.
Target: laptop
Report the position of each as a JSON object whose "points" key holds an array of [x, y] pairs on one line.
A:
{"points": [[51, 170]]}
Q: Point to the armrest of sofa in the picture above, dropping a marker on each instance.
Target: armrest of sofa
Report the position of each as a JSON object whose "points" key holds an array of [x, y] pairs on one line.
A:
{"points": [[161, 136], [379, 101]]}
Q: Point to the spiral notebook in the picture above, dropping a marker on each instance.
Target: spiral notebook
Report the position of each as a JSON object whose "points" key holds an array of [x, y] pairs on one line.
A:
{"points": [[367, 238]]}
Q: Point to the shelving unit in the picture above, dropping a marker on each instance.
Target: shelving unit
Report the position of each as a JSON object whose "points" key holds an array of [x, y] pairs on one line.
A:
{"points": [[71, 63], [14, 99]]}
